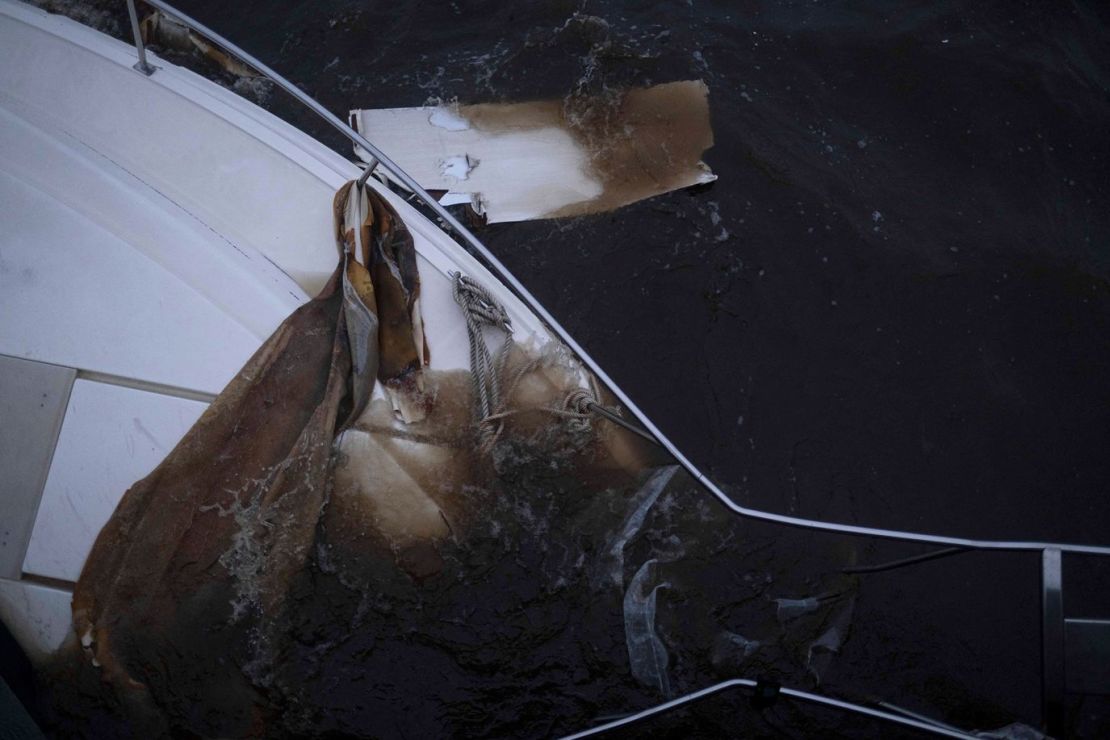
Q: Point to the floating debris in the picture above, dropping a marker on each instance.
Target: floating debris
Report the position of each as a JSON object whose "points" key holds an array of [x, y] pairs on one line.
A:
{"points": [[551, 158], [647, 655]]}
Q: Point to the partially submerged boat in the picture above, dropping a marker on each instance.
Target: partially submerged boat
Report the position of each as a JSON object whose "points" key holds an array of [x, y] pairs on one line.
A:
{"points": [[159, 230]]}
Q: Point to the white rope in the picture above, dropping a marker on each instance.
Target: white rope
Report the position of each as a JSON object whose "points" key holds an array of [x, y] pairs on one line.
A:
{"points": [[481, 309]]}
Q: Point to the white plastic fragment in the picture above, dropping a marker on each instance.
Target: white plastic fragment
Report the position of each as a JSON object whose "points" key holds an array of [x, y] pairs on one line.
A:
{"points": [[793, 608], [736, 644], [647, 656], [829, 643], [611, 565]]}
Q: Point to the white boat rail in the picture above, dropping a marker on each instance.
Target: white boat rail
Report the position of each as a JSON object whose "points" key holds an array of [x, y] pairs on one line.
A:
{"points": [[1054, 623]]}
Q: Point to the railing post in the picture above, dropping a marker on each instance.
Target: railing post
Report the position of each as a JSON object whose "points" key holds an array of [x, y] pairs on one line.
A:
{"points": [[1052, 640], [142, 65]]}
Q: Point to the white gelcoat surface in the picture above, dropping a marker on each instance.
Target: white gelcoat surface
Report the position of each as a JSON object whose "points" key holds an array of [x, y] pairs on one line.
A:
{"points": [[122, 312], [111, 437], [519, 175], [39, 616]]}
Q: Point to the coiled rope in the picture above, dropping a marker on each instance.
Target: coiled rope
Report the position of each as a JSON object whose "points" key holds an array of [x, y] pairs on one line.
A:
{"points": [[482, 310]]}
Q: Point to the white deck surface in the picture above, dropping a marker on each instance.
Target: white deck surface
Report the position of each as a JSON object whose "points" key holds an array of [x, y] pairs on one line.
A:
{"points": [[156, 230], [111, 437]]}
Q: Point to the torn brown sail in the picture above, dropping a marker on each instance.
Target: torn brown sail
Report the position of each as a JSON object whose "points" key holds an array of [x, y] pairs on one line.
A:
{"points": [[201, 551], [309, 548], [207, 544], [368, 227]]}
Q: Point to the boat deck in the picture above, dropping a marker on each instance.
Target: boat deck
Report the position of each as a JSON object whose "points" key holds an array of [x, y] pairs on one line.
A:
{"points": [[157, 229]]}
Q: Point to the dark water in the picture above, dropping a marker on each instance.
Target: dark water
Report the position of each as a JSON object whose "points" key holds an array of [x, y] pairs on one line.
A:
{"points": [[893, 307]]}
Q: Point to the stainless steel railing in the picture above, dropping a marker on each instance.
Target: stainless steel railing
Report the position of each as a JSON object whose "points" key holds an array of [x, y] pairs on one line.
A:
{"points": [[1051, 552], [904, 718]]}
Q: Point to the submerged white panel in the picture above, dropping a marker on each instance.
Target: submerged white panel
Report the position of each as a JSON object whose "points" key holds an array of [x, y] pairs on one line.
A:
{"points": [[111, 437], [39, 617]]}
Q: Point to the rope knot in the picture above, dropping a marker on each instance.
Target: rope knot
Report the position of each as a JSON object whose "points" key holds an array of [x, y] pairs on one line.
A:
{"points": [[579, 401], [479, 304]]}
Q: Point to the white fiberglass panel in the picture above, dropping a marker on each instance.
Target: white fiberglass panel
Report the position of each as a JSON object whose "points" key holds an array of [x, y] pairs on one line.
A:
{"points": [[111, 437], [39, 617], [74, 294], [517, 175]]}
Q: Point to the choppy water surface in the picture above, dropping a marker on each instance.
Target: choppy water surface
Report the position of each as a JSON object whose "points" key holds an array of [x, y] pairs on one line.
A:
{"points": [[893, 308]]}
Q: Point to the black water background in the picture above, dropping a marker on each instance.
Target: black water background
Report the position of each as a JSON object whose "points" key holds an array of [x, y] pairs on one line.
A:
{"points": [[891, 309]]}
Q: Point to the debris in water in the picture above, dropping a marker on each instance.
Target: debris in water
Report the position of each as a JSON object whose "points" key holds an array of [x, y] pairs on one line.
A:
{"points": [[551, 158], [611, 564], [734, 648], [789, 609], [647, 655], [824, 647]]}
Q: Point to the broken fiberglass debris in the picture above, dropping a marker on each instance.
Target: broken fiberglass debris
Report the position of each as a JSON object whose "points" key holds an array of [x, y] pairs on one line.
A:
{"points": [[551, 158], [612, 561], [829, 643]]}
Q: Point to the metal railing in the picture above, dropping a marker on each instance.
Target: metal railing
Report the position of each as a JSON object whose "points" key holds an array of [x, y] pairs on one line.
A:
{"points": [[904, 718], [1051, 552]]}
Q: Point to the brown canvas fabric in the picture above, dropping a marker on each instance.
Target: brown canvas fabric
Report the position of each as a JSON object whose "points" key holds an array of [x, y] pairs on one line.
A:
{"points": [[199, 554], [305, 541]]}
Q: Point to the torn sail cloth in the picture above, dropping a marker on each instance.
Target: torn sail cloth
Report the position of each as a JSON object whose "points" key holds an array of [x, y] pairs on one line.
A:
{"points": [[188, 582], [383, 298], [312, 550]]}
